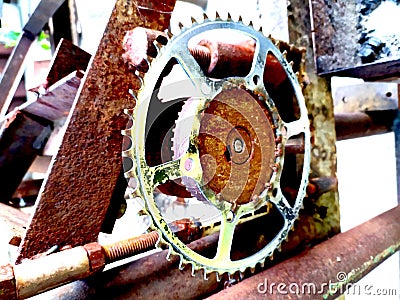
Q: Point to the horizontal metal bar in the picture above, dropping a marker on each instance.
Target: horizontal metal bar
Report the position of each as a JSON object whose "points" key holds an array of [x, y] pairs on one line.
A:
{"points": [[336, 264], [370, 71], [359, 124]]}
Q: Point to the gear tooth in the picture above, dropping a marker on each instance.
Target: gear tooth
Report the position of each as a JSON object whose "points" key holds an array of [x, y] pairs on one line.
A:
{"points": [[182, 265], [240, 19], [161, 242], [217, 16], [180, 25], [277, 43], [127, 132], [291, 63], [217, 276], [158, 47], [129, 111], [140, 76], [205, 274], [229, 17], [279, 248], [193, 270], [262, 264], [251, 24], [252, 269], [125, 153], [205, 16], [261, 30], [169, 253], [130, 173], [284, 53], [193, 20], [168, 33]]}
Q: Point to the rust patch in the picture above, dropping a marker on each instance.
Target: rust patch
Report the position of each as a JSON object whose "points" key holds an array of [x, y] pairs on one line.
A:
{"points": [[77, 192], [68, 58]]}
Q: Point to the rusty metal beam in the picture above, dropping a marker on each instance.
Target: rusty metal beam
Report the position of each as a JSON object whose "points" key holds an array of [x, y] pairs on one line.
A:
{"points": [[67, 58], [26, 130], [359, 124], [21, 139], [370, 71], [77, 192], [342, 261], [334, 33], [366, 96], [355, 253]]}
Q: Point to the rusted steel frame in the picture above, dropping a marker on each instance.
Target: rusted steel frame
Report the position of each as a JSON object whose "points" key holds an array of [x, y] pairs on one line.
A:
{"points": [[25, 132], [28, 188], [67, 58], [340, 261], [334, 33], [370, 71], [87, 166], [56, 103], [14, 68], [396, 129], [21, 139], [360, 124], [156, 277], [366, 96]]}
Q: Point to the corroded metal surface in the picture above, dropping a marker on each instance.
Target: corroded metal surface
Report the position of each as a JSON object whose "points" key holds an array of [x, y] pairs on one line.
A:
{"points": [[77, 192], [335, 33], [366, 96], [333, 262], [320, 217], [237, 120], [21, 139], [68, 58], [359, 124], [56, 103]]}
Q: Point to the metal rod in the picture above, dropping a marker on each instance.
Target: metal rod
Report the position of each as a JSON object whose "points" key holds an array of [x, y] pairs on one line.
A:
{"points": [[13, 71], [360, 124], [337, 264]]}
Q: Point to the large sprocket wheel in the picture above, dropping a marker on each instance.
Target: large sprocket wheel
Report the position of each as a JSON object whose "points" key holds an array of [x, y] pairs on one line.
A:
{"points": [[228, 146]]}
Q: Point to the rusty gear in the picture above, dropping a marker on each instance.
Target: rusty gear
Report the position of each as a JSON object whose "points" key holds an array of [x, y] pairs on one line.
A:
{"points": [[230, 150]]}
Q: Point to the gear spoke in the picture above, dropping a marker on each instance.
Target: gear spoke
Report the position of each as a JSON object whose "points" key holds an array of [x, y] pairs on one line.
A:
{"points": [[225, 238], [190, 66], [260, 57], [295, 128], [168, 171], [283, 206]]}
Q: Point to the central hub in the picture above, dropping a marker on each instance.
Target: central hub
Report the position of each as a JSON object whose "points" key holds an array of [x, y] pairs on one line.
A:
{"points": [[239, 145], [236, 145]]}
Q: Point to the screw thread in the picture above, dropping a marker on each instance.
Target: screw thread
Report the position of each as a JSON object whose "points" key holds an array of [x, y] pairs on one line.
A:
{"points": [[130, 247]]}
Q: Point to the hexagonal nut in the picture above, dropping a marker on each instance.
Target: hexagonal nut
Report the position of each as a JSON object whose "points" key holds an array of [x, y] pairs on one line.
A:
{"points": [[96, 256], [8, 288]]}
